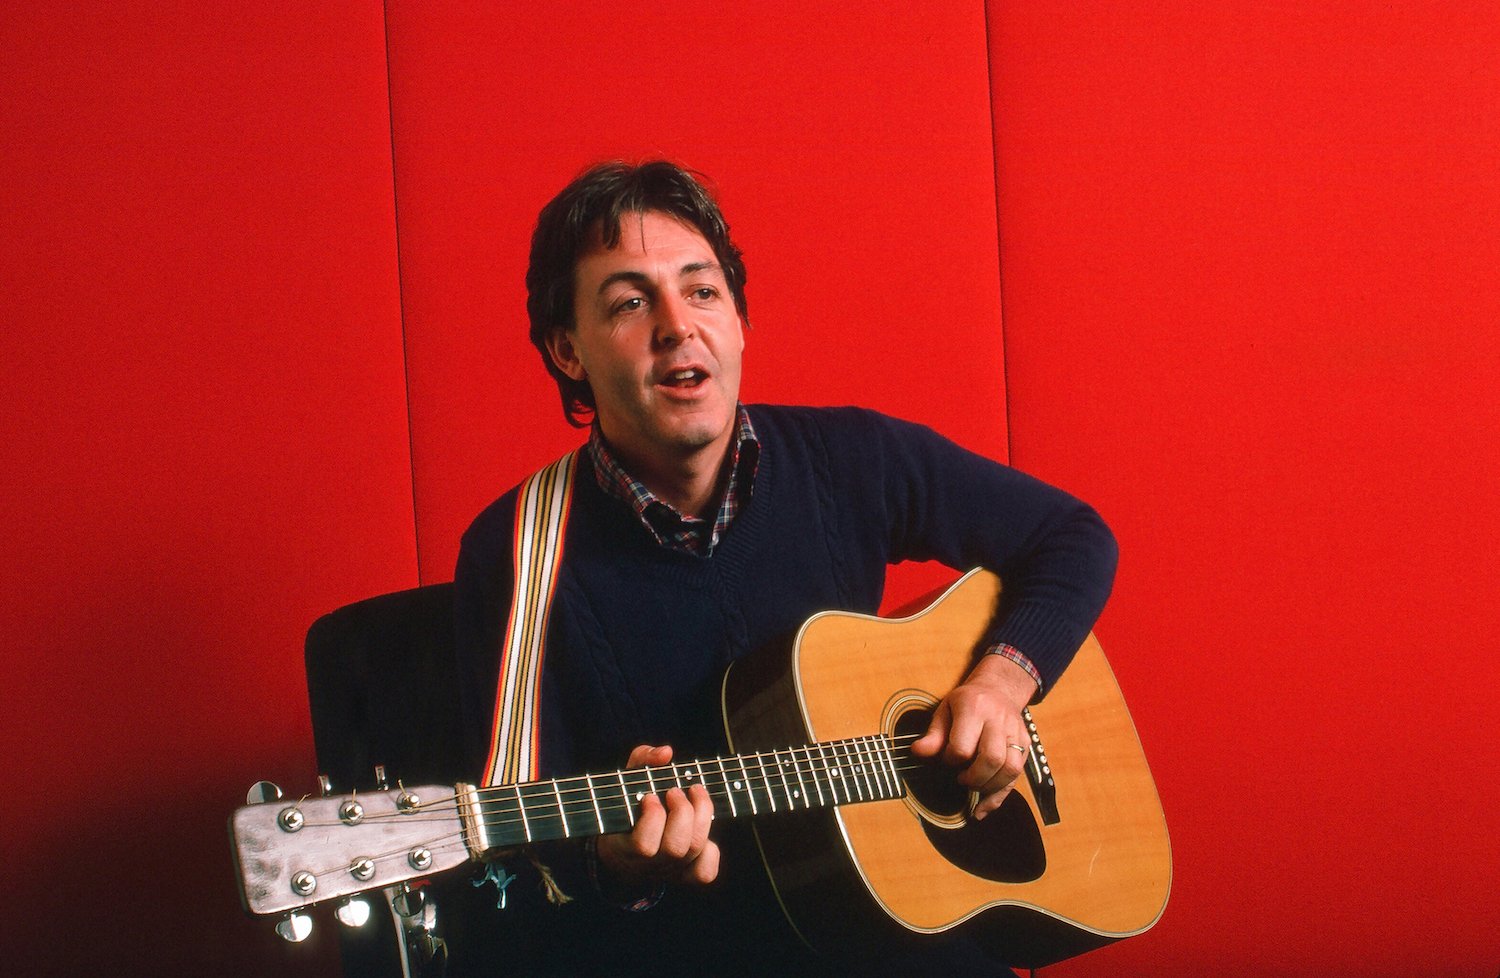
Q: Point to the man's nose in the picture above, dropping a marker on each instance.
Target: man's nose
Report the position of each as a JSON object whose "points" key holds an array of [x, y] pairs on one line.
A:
{"points": [[674, 321]]}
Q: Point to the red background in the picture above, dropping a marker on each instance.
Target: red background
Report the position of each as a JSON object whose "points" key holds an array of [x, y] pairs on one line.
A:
{"points": [[263, 335]]}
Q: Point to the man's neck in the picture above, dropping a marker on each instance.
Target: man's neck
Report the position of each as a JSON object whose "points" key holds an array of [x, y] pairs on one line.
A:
{"points": [[690, 483]]}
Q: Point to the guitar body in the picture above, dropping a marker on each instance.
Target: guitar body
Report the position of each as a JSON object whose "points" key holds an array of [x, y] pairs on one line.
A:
{"points": [[1032, 889]]}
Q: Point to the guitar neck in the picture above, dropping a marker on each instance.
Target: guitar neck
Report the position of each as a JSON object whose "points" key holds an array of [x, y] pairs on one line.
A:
{"points": [[793, 779]]}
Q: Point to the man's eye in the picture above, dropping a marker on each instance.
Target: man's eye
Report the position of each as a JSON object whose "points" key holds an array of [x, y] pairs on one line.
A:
{"points": [[705, 293], [630, 305]]}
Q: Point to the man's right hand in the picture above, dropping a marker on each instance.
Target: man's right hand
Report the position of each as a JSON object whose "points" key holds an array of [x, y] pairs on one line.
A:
{"points": [[670, 840]]}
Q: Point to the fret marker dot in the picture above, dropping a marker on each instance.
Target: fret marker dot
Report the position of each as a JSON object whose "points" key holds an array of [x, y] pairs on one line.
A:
{"points": [[639, 795], [738, 785]]}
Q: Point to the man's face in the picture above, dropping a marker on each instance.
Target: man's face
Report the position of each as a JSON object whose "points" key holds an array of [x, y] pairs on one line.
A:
{"points": [[657, 336]]}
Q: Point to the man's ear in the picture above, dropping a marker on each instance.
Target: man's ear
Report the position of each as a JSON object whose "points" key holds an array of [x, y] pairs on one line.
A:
{"points": [[564, 355]]}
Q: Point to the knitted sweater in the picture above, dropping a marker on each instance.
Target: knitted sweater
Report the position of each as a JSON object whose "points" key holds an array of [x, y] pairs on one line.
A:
{"points": [[640, 634]]}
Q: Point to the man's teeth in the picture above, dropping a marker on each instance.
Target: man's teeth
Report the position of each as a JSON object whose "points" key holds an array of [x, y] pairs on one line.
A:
{"points": [[682, 376]]}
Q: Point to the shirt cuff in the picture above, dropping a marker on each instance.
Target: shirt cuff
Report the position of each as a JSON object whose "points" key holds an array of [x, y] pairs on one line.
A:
{"points": [[1018, 657], [635, 903]]}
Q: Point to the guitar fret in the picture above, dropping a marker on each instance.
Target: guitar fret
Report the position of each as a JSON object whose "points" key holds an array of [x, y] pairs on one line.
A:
{"points": [[813, 770], [625, 797], [872, 750], [870, 777], [890, 760], [760, 760], [830, 771], [854, 768], [724, 776], [797, 770], [857, 747], [785, 785], [749, 790], [521, 807], [872, 771], [853, 775], [562, 813], [594, 798], [864, 768]]}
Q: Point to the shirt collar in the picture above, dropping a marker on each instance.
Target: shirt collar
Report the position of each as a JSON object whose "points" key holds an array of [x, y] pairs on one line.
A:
{"points": [[666, 525]]}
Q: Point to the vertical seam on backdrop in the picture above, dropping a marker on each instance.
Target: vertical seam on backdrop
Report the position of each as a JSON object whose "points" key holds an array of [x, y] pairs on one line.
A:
{"points": [[989, 67], [411, 442]]}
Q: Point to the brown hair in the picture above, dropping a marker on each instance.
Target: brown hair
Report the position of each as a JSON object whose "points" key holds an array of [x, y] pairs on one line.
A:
{"points": [[601, 197]]}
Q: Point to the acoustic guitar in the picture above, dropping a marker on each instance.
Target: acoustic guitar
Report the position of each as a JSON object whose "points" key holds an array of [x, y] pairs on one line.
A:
{"points": [[865, 844]]}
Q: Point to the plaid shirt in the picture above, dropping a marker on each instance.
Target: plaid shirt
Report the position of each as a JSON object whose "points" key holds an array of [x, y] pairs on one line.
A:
{"points": [[695, 535], [677, 531]]}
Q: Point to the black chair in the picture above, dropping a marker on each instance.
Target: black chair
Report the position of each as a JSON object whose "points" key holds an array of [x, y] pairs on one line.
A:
{"points": [[382, 689]]}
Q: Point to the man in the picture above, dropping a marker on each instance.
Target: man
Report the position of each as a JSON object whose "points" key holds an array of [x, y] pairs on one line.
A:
{"points": [[701, 530]]}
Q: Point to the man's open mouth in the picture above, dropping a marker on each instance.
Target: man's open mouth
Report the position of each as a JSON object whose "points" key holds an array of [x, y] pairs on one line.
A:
{"points": [[687, 377]]}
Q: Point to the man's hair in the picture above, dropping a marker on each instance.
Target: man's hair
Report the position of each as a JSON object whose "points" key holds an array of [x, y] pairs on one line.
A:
{"points": [[601, 197]]}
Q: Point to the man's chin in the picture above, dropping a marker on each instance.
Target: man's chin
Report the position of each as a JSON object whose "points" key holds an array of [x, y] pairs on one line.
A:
{"points": [[695, 435]]}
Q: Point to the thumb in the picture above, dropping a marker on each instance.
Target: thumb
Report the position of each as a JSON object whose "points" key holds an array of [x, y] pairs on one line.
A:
{"points": [[931, 742], [646, 754]]}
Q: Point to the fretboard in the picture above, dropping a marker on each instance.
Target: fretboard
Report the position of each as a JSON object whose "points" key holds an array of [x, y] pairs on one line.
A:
{"points": [[793, 779]]}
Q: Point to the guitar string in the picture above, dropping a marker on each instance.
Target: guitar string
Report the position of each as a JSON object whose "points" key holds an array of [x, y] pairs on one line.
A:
{"points": [[454, 839], [812, 761], [541, 797], [859, 758]]}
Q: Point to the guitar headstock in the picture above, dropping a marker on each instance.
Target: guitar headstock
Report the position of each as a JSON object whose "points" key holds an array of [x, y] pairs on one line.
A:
{"points": [[292, 854]]}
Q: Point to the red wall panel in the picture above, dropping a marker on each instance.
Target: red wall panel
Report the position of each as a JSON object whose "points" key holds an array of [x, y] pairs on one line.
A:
{"points": [[1252, 275], [205, 447], [853, 153]]}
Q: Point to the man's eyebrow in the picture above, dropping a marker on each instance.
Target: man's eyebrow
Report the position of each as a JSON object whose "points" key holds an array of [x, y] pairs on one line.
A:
{"points": [[634, 278], [641, 279]]}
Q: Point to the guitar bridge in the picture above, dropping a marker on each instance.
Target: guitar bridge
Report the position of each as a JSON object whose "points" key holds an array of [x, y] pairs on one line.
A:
{"points": [[1039, 774]]}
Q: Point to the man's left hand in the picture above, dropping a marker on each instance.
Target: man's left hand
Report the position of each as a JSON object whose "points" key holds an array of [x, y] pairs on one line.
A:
{"points": [[978, 727]]}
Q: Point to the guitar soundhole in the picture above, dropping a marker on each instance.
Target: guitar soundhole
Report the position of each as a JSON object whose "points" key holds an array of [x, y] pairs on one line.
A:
{"points": [[932, 785], [1006, 846]]}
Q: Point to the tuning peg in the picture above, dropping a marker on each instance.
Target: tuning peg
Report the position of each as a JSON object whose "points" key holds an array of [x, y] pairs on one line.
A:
{"points": [[325, 787], [261, 792], [380, 781], [353, 912], [408, 902], [294, 927]]}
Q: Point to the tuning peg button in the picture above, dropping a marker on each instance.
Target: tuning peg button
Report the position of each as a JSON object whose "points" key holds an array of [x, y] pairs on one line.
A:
{"points": [[353, 912], [294, 927], [408, 902], [261, 792]]}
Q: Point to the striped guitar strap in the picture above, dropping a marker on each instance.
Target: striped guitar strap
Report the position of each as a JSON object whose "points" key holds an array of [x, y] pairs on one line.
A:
{"points": [[541, 522]]}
